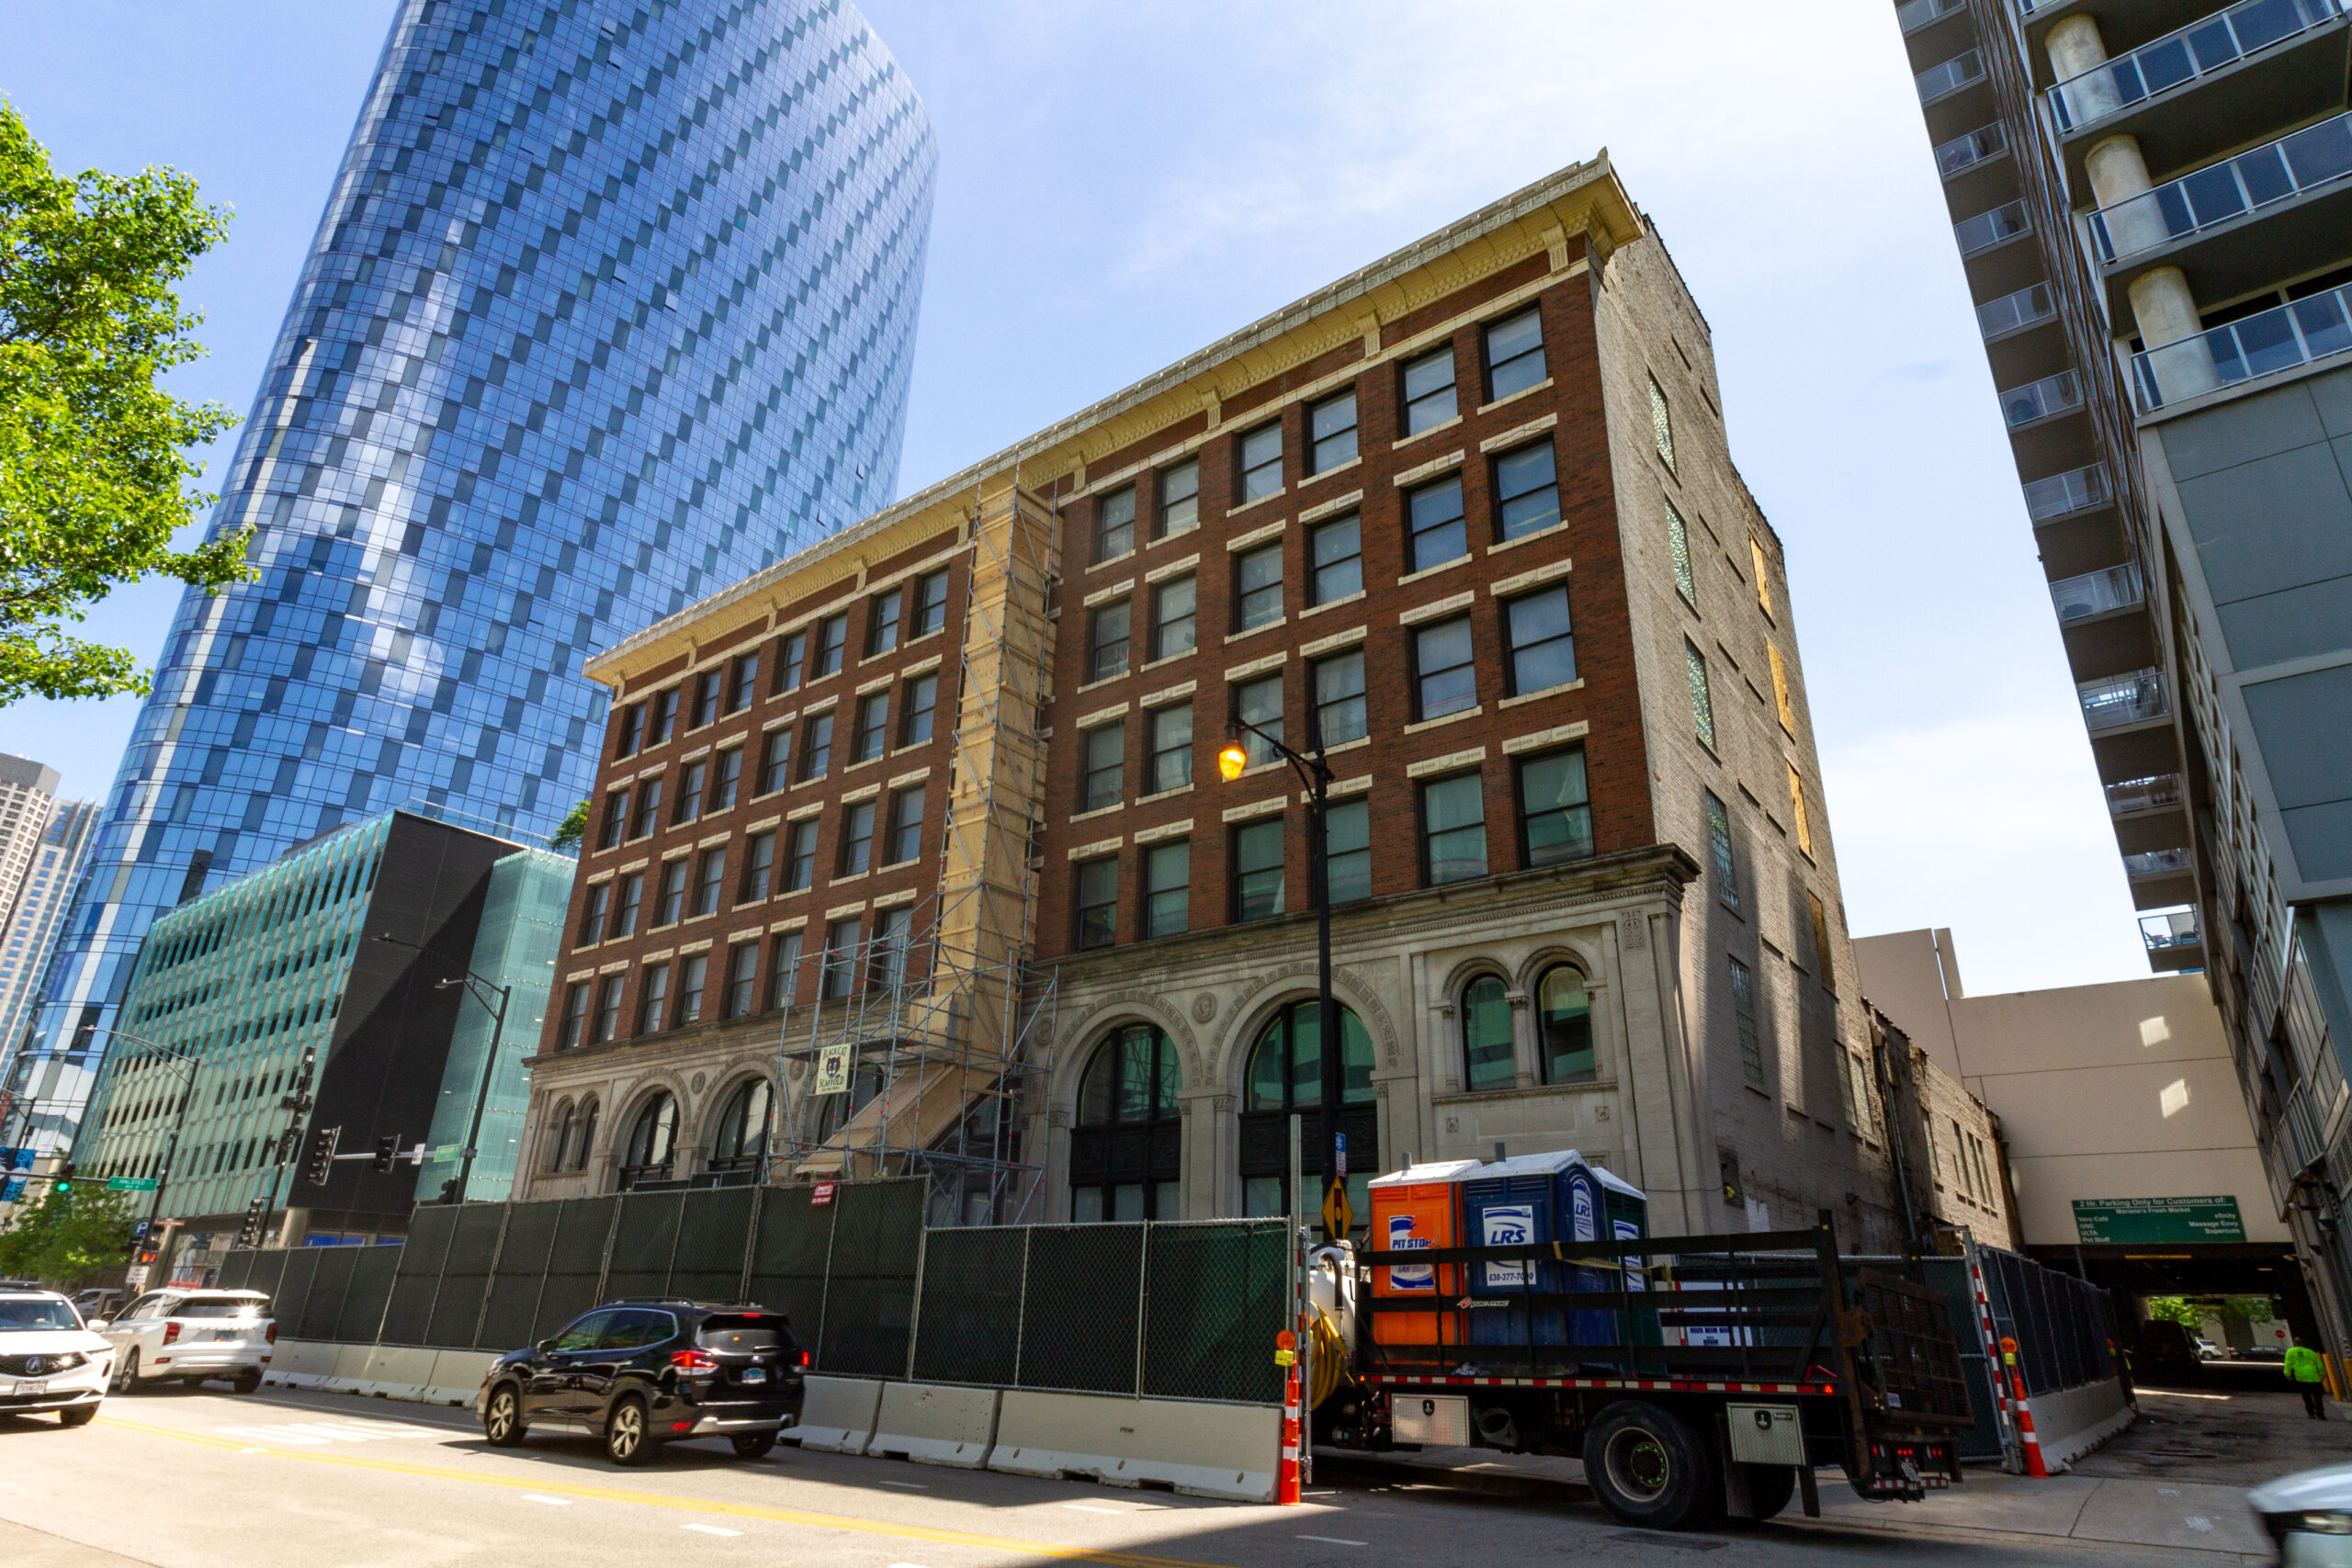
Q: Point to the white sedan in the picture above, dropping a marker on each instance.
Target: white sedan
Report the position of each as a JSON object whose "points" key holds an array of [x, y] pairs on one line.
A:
{"points": [[49, 1362], [190, 1334]]}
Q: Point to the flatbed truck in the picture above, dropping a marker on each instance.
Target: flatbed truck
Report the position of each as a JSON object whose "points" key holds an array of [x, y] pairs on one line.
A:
{"points": [[1698, 1377]]}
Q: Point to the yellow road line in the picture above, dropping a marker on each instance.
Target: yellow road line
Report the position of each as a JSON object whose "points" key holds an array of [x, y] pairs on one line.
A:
{"points": [[738, 1510]]}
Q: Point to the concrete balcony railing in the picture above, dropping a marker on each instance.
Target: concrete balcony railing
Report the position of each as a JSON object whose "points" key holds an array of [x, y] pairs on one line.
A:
{"points": [[1960, 71], [1987, 230], [1964, 153], [2096, 593], [2315, 156], [2293, 335], [2114, 701], [2046, 398], [2060, 495], [2173, 928], [2156, 863], [2027, 307], [1913, 15], [2153, 793], [2178, 58]]}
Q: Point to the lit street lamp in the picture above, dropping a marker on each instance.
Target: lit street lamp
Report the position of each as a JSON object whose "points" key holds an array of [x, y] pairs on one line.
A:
{"points": [[1232, 759]]}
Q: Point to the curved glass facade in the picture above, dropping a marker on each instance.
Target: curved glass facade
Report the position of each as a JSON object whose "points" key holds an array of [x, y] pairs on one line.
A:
{"points": [[613, 304]]}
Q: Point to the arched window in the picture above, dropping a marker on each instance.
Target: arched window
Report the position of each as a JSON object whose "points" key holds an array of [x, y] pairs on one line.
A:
{"points": [[740, 1140], [1285, 1074], [567, 1122], [1488, 1058], [1564, 1025], [1126, 1155], [653, 1141], [586, 1147]]}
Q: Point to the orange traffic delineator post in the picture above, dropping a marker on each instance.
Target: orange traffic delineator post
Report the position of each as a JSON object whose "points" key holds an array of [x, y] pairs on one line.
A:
{"points": [[1286, 1468], [2033, 1465]]}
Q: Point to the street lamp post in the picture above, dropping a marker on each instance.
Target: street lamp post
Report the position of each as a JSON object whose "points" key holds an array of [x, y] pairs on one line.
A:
{"points": [[475, 987], [1231, 760]]}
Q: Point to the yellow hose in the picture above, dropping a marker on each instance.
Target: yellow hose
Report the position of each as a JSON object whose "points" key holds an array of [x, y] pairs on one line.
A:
{"points": [[1328, 1362]]}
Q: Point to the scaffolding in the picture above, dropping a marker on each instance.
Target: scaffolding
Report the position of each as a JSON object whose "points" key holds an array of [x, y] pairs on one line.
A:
{"points": [[939, 1022]]}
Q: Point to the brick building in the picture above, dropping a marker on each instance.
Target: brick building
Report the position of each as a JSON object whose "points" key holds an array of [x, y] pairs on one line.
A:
{"points": [[929, 812]]}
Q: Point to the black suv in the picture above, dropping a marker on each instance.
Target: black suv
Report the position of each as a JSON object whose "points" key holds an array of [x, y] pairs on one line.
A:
{"points": [[642, 1371]]}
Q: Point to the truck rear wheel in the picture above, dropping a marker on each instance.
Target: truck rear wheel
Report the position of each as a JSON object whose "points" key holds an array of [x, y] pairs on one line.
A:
{"points": [[1651, 1468]]}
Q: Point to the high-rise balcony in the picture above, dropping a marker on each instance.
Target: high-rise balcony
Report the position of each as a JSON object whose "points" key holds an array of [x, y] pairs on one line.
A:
{"points": [[2157, 792], [1963, 153], [1913, 15], [2286, 338], [2114, 701], [2029, 307], [2046, 398], [2173, 940], [1942, 80], [2098, 592], [2156, 863], [1987, 230], [2240, 226], [2062, 495], [2165, 67]]}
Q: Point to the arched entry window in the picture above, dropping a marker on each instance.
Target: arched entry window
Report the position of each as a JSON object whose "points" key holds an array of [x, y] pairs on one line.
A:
{"points": [[567, 1125], [1489, 1055], [1564, 1023], [740, 1142], [1286, 1075], [1126, 1154], [652, 1141], [586, 1144]]}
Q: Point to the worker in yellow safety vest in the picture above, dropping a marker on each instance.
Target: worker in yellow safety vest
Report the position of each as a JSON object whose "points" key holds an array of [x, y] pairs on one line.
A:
{"points": [[2310, 1378]]}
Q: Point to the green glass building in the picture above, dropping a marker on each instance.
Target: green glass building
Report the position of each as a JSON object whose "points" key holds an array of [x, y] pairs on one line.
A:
{"points": [[354, 947]]}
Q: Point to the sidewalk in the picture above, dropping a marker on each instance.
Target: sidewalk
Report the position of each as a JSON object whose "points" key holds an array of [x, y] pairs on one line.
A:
{"points": [[2175, 1478]]}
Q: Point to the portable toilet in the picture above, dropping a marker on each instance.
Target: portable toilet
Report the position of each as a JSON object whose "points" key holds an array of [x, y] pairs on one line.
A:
{"points": [[1413, 1208], [1625, 1210], [1526, 1198]]}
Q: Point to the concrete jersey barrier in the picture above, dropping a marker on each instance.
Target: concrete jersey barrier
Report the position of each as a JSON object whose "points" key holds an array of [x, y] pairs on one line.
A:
{"points": [[935, 1424], [1208, 1451]]}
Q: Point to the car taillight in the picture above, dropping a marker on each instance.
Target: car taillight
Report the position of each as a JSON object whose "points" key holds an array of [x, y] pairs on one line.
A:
{"points": [[694, 1360], [801, 1359], [271, 1332], [171, 1332]]}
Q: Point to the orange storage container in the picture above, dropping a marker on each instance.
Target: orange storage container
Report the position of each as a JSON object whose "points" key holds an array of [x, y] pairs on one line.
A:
{"points": [[1411, 1208]]}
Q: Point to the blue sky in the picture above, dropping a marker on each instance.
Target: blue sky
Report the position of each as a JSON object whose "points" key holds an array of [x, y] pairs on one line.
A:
{"points": [[1122, 181]]}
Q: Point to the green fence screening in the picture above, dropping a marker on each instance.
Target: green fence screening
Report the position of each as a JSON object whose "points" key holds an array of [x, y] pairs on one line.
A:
{"points": [[1172, 1311]]}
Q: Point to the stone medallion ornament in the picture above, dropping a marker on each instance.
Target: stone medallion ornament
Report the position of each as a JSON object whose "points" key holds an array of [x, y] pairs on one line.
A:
{"points": [[699, 1081], [1204, 1007]]}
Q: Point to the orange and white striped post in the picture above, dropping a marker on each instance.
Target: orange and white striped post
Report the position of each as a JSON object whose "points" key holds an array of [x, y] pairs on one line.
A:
{"points": [[2033, 1465], [1286, 1482]]}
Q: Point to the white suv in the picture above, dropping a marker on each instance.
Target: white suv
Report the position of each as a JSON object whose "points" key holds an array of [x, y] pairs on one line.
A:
{"points": [[47, 1360], [192, 1335]]}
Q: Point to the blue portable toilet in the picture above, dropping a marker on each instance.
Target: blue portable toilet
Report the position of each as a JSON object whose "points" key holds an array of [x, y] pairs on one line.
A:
{"points": [[1522, 1199], [1625, 1211]]}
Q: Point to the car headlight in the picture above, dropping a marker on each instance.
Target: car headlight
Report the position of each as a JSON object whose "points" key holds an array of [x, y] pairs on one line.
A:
{"points": [[2321, 1524]]}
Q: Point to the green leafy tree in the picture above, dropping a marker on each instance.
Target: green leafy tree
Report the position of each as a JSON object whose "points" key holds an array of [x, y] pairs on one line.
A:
{"points": [[95, 463], [65, 1237], [569, 832], [2174, 1309]]}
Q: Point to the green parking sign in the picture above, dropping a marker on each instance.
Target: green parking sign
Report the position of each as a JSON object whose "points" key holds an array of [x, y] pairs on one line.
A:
{"points": [[2145, 1220]]}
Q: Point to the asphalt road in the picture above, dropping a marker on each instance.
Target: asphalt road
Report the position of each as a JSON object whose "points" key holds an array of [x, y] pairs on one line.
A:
{"points": [[211, 1480]]}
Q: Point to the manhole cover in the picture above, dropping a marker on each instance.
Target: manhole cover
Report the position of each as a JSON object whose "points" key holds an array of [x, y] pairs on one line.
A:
{"points": [[1665, 1542], [2180, 1453]]}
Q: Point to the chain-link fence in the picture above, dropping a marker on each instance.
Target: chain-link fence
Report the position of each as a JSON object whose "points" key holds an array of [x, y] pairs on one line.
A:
{"points": [[1175, 1311], [2064, 1327]]}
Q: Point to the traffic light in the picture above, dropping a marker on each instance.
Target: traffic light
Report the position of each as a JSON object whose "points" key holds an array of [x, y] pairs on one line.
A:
{"points": [[388, 1149], [63, 1180], [249, 1234], [319, 1163]]}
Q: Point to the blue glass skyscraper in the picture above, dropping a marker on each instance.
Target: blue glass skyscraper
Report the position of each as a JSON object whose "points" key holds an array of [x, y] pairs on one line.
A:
{"points": [[614, 301]]}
